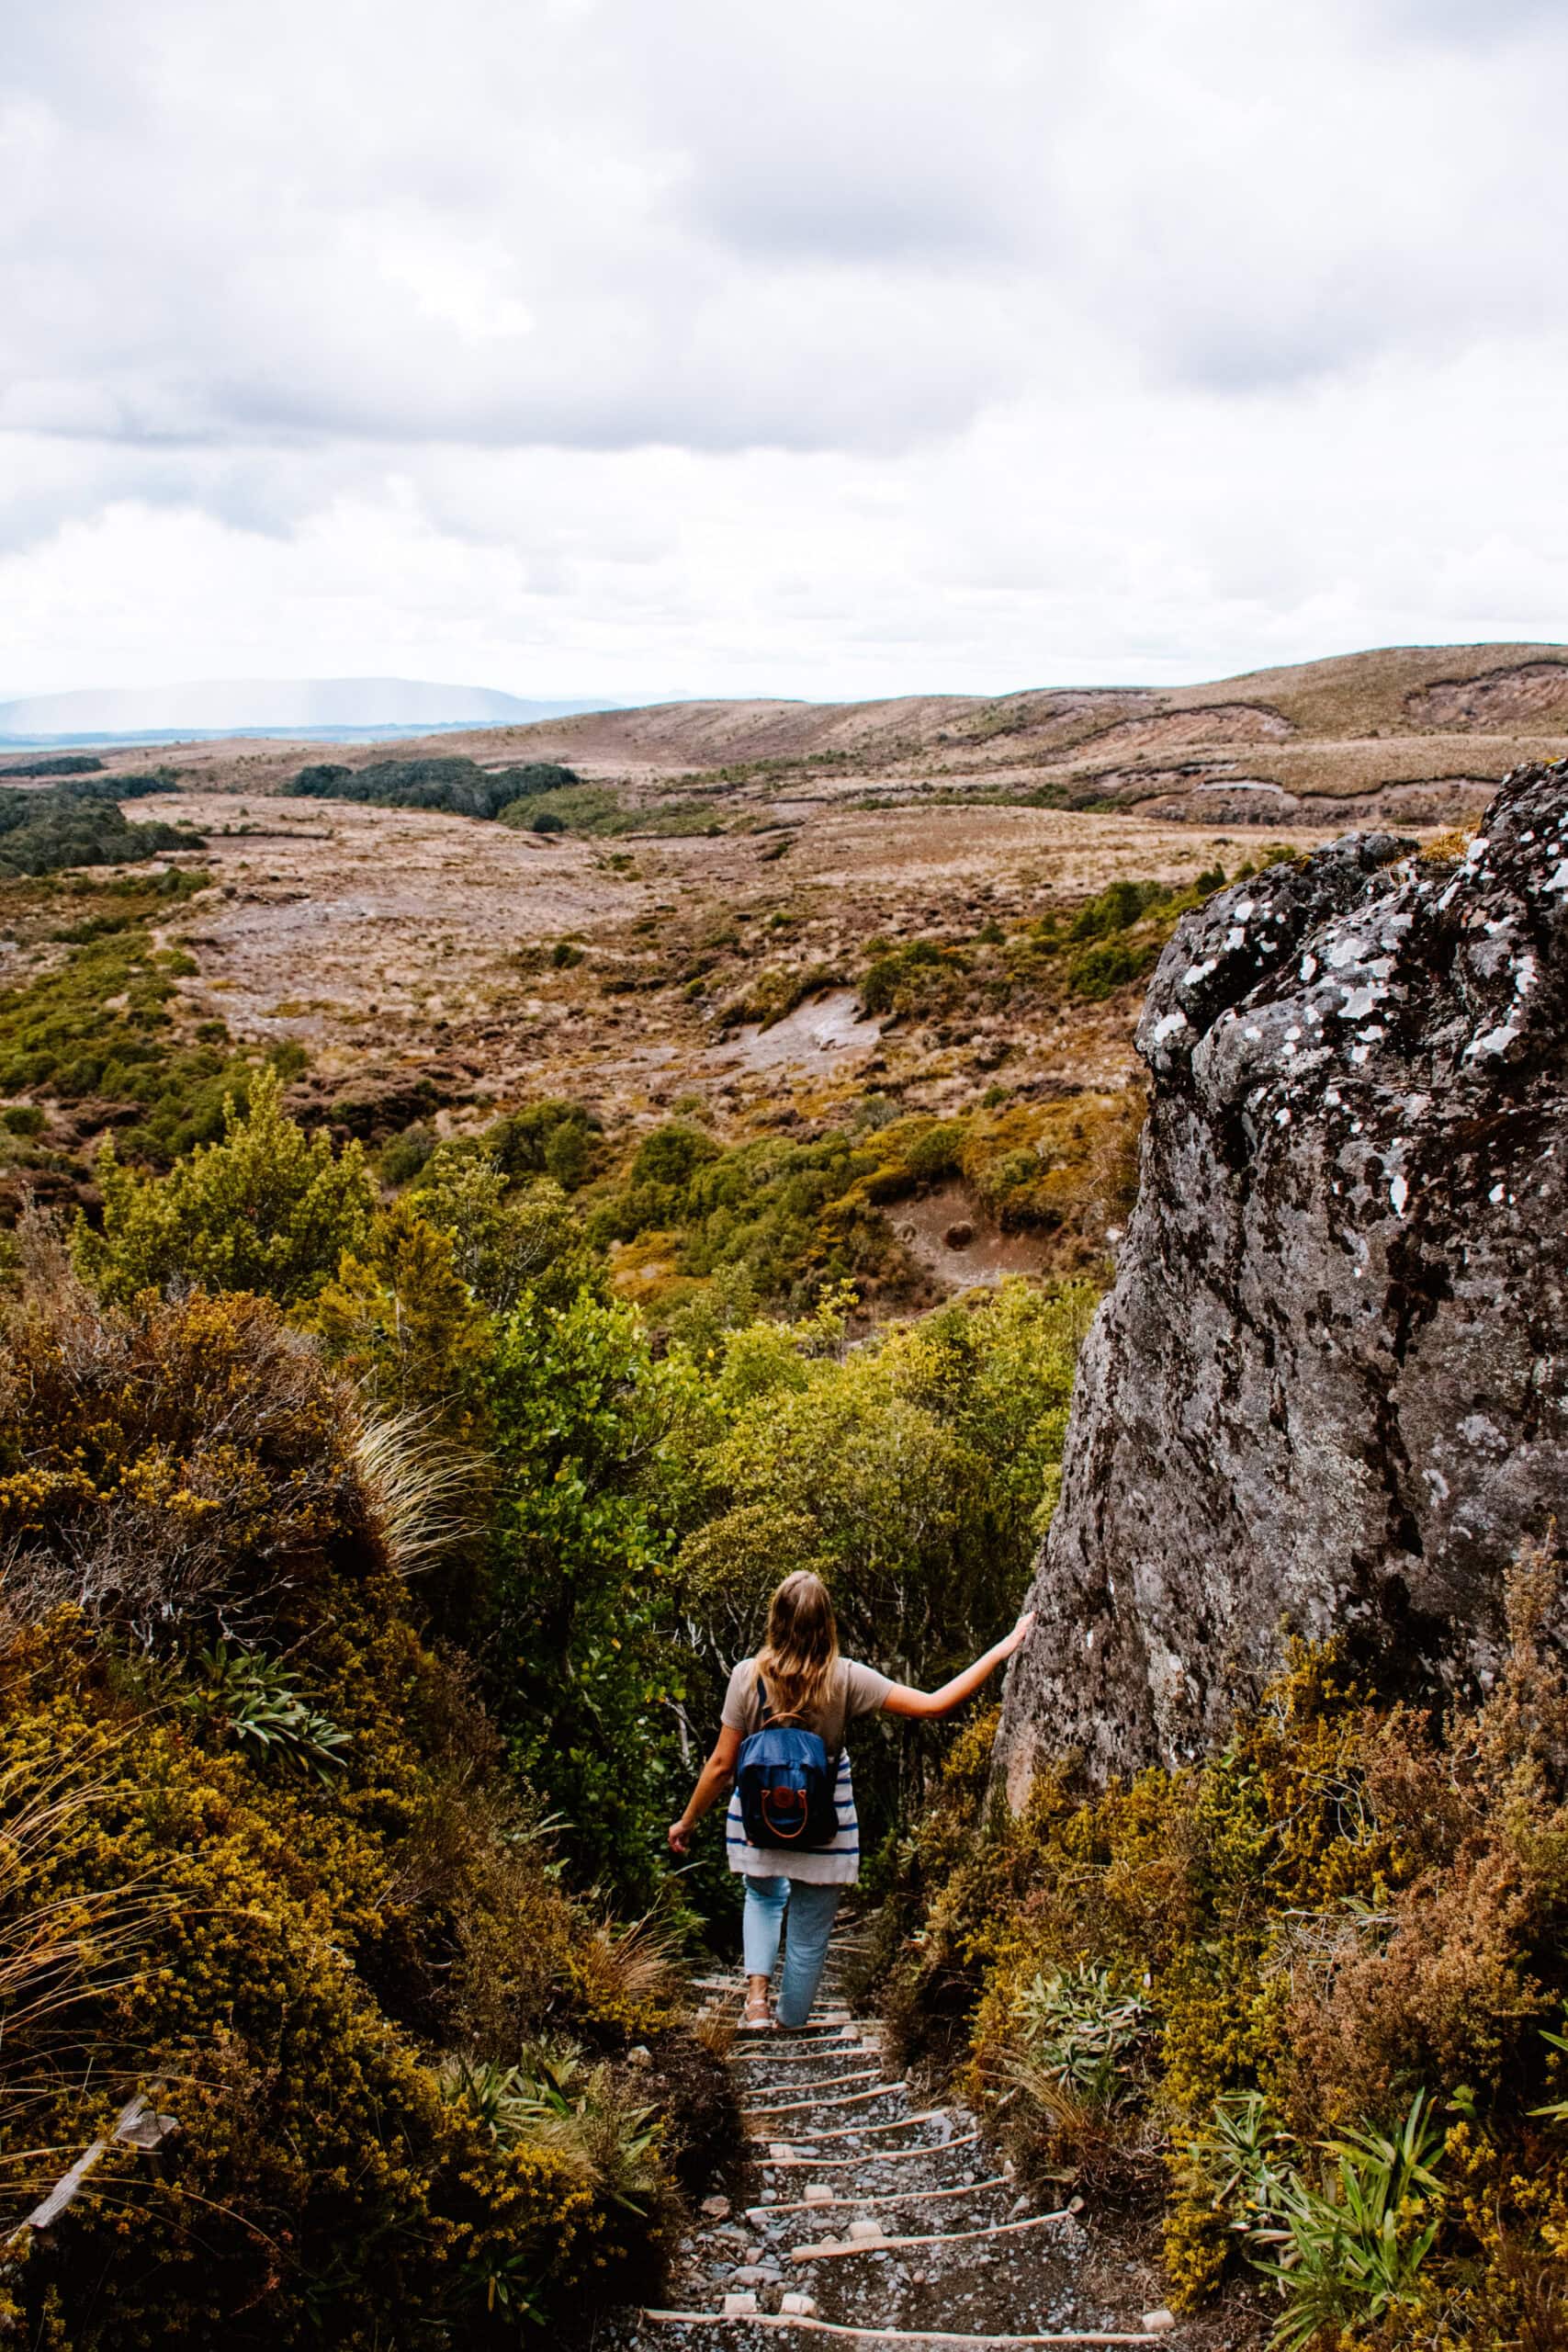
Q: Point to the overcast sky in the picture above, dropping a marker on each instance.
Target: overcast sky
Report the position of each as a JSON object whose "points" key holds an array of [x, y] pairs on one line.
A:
{"points": [[846, 348]]}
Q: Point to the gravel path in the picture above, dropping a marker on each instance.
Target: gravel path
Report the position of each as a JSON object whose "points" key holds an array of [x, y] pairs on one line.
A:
{"points": [[880, 2218]]}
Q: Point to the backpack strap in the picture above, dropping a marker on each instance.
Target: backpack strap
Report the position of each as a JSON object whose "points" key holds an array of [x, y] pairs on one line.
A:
{"points": [[834, 1755]]}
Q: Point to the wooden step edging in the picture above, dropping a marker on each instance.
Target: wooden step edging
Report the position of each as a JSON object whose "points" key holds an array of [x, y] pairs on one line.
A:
{"points": [[834, 2249], [827, 2083], [895, 2334], [757, 2049], [876, 2156], [762, 2214], [820, 2106], [896, 2123]]}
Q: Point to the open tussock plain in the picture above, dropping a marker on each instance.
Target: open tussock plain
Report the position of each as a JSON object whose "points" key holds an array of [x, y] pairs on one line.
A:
{"points": [[1413, 734], [765, 917]]}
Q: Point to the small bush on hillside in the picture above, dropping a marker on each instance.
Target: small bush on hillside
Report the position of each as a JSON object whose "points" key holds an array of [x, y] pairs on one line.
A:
{"points": [[565, 805], [571, 806], [1110, 965], [556, 1139], [900, 980], [1119, 906], [264, 1209]]}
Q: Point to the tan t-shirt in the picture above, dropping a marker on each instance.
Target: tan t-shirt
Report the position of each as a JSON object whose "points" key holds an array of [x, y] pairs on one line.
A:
{"points": [[856, 1691]]}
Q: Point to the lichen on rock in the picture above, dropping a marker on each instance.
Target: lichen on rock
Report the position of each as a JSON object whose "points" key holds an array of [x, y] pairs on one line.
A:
{"points": [[1324, 1396]]}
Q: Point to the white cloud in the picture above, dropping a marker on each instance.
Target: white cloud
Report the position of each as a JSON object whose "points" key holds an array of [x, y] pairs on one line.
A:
{"points": [[581, 345]]}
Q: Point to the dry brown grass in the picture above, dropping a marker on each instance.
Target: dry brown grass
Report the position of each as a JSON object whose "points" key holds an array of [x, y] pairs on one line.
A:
{"points": [[420, 1493]]}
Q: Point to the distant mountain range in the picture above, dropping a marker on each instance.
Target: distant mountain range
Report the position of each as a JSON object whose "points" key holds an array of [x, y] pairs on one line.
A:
{"points": [[331, 708]]}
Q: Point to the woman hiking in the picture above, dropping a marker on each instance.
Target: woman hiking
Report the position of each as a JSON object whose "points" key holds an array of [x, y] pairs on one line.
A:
{"points": [[798, 1679]]}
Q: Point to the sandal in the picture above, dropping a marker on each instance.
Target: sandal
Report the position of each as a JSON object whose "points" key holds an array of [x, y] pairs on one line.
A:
{"points": [[756, 2018]]}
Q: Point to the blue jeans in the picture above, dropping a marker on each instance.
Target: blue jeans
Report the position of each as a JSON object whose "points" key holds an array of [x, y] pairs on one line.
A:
{"points": [[811, 1910]]}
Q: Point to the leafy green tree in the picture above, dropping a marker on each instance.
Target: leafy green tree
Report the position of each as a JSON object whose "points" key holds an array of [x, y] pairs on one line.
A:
{"points": [[590, 1433], [401, 1318], [266, 1209], [506, 1239]]}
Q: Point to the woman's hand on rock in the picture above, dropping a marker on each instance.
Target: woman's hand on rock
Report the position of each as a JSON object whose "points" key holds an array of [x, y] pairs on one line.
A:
{"points": [[1020, 1633]]}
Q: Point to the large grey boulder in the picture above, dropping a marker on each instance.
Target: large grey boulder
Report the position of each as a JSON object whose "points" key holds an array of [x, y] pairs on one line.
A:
{"points": [[1326, 1393]]}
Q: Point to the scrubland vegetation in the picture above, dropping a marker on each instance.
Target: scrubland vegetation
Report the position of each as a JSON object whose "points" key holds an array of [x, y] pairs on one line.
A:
{"points": [[382, 1510], [371, 1579], [80, 823], [1305, 2001], [458, 786]]}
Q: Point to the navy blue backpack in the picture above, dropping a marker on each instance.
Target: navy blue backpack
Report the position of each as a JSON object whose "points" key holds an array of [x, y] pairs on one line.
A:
{"points": [[785, 1785]]}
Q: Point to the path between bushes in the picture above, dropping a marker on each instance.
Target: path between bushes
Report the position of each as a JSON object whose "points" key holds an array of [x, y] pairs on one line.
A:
{"points": [[880, 2218]]}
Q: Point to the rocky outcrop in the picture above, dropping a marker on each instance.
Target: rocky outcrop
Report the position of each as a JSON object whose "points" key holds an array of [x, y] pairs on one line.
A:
{"points": [[1326, 1393]]}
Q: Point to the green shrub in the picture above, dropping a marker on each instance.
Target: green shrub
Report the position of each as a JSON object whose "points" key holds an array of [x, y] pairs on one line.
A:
{"points": [[1119, 906], [508, 1237], [672, 1154], [1086, 2033], [1352, 2244], [253, 1702], [551, 1138], [585, 1425], [264, 1209], [908, 978], [401, 1158], [1099, 971]]}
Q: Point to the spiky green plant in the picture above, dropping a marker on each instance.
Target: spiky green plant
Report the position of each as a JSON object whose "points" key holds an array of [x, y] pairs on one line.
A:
{"points": [[254, 1700], [1082, 2030], [1352, 2243]]}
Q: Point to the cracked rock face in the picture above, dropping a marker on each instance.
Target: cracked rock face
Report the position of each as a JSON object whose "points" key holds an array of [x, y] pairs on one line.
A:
{"points": [[1325, 1395]]}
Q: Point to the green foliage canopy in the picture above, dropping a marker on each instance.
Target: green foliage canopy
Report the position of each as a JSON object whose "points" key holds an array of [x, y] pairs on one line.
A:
{"points": [[265, 1209]]}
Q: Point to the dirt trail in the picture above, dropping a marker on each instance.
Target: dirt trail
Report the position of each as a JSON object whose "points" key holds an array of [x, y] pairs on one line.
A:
{"points": [[881, 2217]]}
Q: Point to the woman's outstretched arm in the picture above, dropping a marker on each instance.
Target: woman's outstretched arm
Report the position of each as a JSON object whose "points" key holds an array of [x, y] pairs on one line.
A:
{"points": [[903, 1700], [713, 1783]]}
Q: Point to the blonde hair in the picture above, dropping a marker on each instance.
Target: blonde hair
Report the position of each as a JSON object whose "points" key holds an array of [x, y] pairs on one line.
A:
{"points": [[797, 1659]]}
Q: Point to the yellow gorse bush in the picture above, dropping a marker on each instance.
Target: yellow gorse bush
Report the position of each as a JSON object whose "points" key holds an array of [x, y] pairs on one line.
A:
{"points": [[310, 1945]]}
